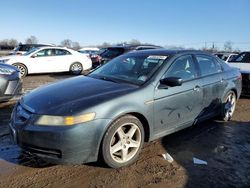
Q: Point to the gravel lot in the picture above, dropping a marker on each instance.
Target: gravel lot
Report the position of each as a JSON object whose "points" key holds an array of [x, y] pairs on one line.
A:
{"points": [[224, 146]]}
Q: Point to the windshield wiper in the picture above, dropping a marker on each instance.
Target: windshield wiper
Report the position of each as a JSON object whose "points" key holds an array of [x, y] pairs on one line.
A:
{"points": [[108, 79]]}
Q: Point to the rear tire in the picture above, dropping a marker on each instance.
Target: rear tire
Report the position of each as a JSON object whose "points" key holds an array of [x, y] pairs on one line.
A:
{"points": [[122, 142], [228, 106], [76, 68], [22, 69]]}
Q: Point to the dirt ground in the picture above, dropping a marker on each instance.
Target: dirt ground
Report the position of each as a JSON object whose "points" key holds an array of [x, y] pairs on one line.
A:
{"points": [[224, 146]]}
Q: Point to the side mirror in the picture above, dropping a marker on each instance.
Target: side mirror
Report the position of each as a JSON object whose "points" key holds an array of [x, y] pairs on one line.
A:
{"points": [[171, 81], [33, 56]]}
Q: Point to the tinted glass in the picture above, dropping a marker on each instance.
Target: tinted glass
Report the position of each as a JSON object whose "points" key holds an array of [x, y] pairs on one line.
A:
{"points": [[183, 67], [243, 57], [208, 65], [131, 68], [112, 52]]}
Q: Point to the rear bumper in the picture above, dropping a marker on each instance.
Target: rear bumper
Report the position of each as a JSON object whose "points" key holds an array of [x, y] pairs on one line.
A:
{"points": [[245, 84], [62, 145]]}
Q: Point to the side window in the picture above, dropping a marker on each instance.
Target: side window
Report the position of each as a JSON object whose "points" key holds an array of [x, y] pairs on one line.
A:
{"points": [[183, 67], [41, 53], [45, 52], [208, 65], [61, 52]]}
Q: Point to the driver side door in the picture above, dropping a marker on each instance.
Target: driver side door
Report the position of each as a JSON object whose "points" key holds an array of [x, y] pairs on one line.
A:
{"points": [[178, 106]]}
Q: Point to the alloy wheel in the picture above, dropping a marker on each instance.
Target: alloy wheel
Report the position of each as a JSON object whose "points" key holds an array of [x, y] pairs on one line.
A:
{"points": [[125, 142], [230, 105]]}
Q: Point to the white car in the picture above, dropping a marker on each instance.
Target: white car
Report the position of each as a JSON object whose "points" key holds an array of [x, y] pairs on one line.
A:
{"points": [[49, 60]]}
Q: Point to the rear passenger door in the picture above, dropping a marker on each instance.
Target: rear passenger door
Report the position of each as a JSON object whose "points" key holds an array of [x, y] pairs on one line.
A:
{"points": [[213, 84]]}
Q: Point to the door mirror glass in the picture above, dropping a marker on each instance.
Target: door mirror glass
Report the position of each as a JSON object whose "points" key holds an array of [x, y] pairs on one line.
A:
{"points": [[171, 81]]}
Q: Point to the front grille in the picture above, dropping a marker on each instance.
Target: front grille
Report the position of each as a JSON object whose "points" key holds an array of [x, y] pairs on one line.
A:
{"points": [[42, 151], [21, 114]]}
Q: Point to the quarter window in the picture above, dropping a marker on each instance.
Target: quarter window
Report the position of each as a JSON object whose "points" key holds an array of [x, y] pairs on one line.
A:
{"points": [[208, 65], [183, 67], [61, 52]]}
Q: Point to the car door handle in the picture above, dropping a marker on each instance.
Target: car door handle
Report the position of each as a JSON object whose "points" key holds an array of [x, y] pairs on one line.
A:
{"points": [[196, 88]]}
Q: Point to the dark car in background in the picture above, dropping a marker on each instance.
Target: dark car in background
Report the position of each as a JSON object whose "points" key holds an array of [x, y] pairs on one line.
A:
{"points": [[10, 82], [23, 48], [242, 62], [226, 56], [114, 51], [136, 97]]}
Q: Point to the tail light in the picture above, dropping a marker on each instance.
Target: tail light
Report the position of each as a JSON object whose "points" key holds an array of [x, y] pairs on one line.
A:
{"points": [[98, 58]]}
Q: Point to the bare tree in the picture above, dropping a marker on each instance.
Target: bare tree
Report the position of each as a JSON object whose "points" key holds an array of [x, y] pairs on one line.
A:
{"points": [[31, 40], [228, 46], [76, 45], [135, 42], [12, 42], [67, 43], [104, 45], [4, 42]]}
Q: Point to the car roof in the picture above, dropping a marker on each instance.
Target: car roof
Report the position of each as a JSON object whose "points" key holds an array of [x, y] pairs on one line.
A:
{"points": [[54, 47], [162, 51], [131, 46]]}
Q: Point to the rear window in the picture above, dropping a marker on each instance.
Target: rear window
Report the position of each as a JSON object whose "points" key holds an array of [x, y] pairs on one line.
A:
{"points": [[112, 52], [24, 48]]}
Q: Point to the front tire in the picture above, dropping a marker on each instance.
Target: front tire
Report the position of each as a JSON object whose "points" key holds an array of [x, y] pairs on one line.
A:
{"points": [[122, 142], [22, 68], [76, 68], [229, 105]]}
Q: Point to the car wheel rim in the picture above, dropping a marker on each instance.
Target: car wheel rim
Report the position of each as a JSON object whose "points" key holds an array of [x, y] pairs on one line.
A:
{"points": [[76, 68], [125, 142], [230, 106], [21, 69]]}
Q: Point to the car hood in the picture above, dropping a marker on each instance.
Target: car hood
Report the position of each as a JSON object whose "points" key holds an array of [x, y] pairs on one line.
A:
{"points": [[74, 95]]}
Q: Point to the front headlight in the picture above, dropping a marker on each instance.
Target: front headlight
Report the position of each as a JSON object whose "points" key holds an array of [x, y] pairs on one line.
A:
{"points": [[6, 71], [64, 120]]}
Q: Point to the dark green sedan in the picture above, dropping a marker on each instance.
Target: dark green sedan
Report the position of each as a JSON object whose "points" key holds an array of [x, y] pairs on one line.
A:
{"points": [[135, 98]]}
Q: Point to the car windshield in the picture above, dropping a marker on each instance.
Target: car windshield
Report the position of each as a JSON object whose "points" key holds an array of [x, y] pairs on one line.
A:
{"points": [[130, 68], [30, 51]]}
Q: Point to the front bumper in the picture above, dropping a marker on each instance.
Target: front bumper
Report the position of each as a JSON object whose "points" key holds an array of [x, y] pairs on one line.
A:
{"points": [[61, 145]]}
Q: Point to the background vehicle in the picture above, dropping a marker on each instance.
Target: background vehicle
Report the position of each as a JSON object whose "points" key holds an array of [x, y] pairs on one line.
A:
{"points": [[23, 48], [139, 96], [10, 82], [89, 51], [48, 60], [242, 62], [114, 51], [226, 56]]}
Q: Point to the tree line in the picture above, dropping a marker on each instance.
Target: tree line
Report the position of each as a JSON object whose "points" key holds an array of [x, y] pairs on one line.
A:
{"points": [[8, 44]]}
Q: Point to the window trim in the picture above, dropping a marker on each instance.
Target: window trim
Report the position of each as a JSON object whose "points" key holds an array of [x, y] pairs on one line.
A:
{"points": [[195, 68], [199, 69]]}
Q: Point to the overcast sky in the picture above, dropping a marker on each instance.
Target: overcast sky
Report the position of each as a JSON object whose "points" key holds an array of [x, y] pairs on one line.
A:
{"points": [[188, 23]]}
